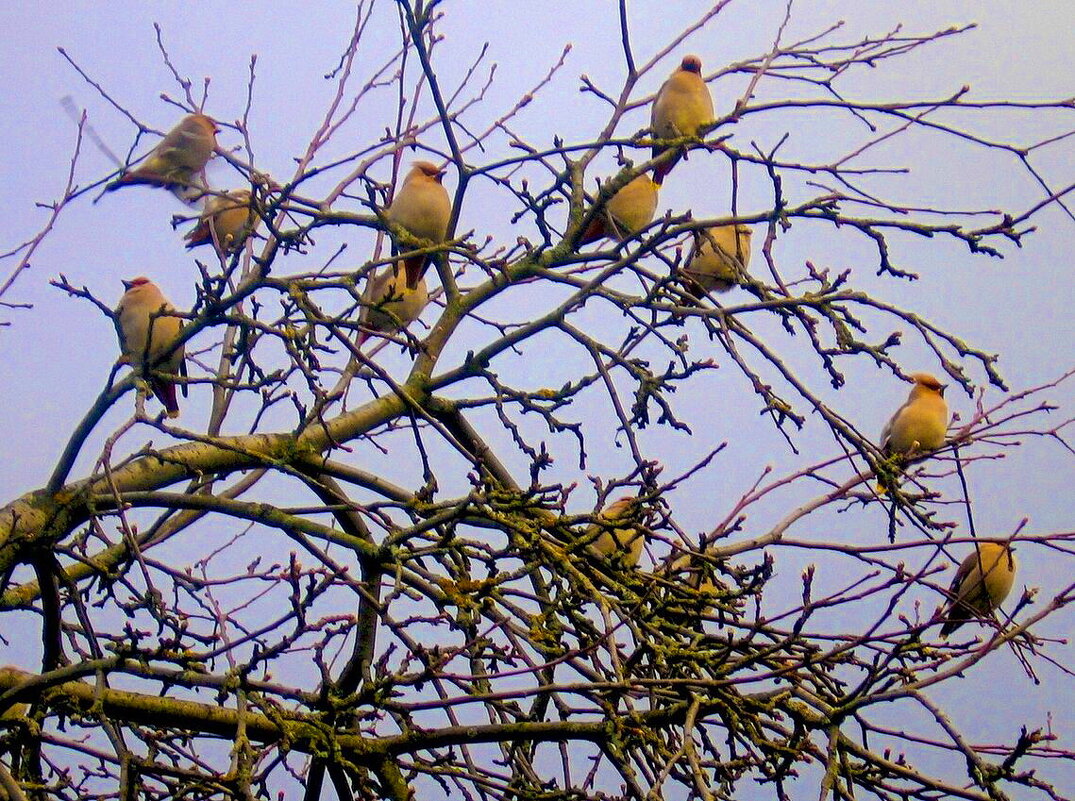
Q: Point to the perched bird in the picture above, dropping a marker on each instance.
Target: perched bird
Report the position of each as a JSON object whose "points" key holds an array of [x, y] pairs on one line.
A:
{"points": [[920, 424], [392, 306], [146, 333], [181, 155], [688, 568], [626, 213], [625, 543], [225, 222], [15, 713], [682, 106], [719, 259], [422, 208], [981, 584], [692, 588], [11, 676]]}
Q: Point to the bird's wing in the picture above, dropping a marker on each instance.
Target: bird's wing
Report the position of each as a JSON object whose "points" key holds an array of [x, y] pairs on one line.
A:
{"points": [[956, 591], [183, 372], [886, 432]]}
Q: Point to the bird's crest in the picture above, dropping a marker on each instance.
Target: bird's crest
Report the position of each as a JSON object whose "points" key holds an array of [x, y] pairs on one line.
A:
{"points": [[691, 64]]}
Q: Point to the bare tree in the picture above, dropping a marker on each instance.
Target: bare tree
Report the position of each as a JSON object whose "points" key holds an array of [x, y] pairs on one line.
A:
{"points": [[387, 577]]}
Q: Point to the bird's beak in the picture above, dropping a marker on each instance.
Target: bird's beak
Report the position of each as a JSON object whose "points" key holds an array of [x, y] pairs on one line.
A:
{"points": [[942, 389], [439, 177], [127, 284]]}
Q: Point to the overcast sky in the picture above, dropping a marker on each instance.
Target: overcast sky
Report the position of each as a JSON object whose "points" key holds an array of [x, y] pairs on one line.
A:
{"points": [[55, 358]]}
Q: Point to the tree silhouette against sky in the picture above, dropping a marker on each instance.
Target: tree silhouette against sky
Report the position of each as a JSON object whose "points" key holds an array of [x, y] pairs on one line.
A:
{"points": [[372, 563]]}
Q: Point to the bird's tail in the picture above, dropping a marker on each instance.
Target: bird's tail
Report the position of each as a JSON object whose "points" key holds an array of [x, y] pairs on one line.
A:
{"points": [[201, 235], [139, 176], [124, 180], [661, 171], [594, 231], [694, 293], [952, 623], [890, 478], [165, 392], [415, 266], [179, 182]]}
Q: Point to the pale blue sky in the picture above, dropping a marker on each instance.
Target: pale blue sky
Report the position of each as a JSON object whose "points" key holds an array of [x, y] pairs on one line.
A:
{"points": [[55, 358]]}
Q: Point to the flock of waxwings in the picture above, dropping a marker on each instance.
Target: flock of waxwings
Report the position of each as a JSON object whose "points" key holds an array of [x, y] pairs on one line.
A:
{"points": [[682, 108]]}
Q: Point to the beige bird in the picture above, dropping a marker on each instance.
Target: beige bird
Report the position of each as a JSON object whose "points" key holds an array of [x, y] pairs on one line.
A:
{"points": [[719, 259], [688, 568], [981, 584], [11, 676], [919, 425], [392, 306], [692, 588], [681, 108], [626, 213], [624, 544], [15, 713], [225, 222], [423, 209], [146, 334], [176, 161]]}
